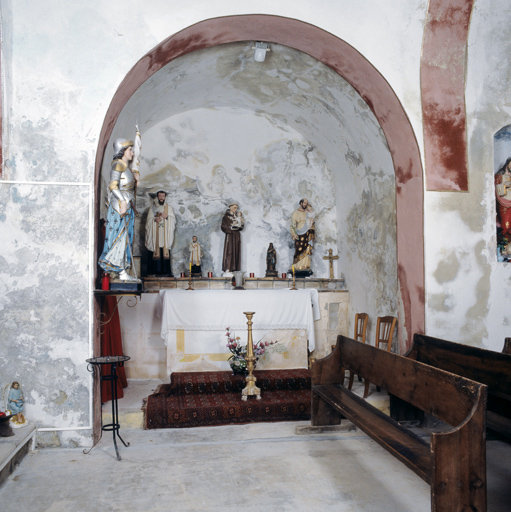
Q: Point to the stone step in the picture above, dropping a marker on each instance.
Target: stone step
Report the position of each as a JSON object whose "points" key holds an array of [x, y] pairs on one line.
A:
{"points": [[130, 406], [14, 448]]}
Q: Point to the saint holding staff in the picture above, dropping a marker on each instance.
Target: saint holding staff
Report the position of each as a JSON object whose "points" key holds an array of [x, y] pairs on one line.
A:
{"points": [[117, 255]]}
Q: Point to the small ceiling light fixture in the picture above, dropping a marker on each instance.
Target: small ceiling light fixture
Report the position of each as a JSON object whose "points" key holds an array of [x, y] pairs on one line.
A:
{"points": [[260, 51]]}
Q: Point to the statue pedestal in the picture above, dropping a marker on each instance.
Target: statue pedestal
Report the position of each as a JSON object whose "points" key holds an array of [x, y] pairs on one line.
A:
{"points": [[125, 286], [155, 284]]}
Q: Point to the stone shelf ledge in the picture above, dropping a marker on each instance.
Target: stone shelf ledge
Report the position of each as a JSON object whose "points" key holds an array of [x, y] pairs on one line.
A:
{"points": [[155, 284]]}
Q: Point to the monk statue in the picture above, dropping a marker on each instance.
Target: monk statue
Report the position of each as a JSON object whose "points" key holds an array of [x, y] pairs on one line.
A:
{"points": [[232, 224]]}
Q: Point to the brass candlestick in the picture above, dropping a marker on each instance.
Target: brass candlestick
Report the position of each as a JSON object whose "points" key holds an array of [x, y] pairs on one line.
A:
{"points": [[294, 283], [190, 287], [250, 389]]}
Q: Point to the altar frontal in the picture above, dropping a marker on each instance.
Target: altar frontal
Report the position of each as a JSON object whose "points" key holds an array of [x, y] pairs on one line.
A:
{"points": [[194, 326]]}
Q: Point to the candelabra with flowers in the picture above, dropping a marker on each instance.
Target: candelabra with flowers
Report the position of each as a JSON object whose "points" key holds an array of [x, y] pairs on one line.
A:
{"points": [[238, 358]]}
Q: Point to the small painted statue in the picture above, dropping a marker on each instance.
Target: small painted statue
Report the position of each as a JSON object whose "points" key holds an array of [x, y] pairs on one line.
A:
{"points": [[303, 235], [195, 257], [15, 403], [271, 262]]}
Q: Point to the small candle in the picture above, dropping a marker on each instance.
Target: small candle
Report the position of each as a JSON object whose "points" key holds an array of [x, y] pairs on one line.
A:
{"points": [[105, 282], [284, 275], [210, 274], [252, 274], [183, 274]]}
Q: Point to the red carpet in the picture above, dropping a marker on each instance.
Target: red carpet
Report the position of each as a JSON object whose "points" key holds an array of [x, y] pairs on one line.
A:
{"points": [[196, 399]]}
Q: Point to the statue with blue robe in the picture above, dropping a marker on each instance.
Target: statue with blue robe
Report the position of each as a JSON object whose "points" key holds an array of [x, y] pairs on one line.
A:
{"points": [[117, 255]]}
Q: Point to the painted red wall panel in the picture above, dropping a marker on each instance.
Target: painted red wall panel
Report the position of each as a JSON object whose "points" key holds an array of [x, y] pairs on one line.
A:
{"points": [[443, 94]]}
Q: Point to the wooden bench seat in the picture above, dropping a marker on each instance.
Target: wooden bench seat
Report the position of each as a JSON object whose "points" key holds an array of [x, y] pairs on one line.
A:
{"points": [[485, 366], [408, 447], [453, 463]]}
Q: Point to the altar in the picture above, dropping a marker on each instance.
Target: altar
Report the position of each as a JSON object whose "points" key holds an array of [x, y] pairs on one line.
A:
{"points": [[194, 322]]}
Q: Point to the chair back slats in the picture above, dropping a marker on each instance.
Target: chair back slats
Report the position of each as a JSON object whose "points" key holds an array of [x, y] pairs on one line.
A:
{"points": [[361, 326], [385, 326]]}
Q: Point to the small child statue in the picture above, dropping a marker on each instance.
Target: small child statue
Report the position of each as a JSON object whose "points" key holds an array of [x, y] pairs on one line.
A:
{"points": [[195, 257]]}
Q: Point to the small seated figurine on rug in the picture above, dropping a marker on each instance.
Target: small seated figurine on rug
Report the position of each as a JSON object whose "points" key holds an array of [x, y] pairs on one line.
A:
{"points": [[15, 403]]}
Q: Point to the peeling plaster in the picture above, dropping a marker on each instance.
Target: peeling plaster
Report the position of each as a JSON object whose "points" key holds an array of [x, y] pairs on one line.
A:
{"points": [[43, 307]]}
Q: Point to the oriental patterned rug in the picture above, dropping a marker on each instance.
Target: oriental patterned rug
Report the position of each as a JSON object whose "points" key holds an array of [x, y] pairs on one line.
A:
{"points": [[197, 399]]}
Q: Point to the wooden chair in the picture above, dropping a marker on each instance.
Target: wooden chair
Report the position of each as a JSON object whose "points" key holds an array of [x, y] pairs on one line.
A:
{"points": [[360, 335], [385, 326]]}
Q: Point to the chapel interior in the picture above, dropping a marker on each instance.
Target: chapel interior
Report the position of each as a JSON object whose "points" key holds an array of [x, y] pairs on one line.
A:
{"points": [[392, 120]]}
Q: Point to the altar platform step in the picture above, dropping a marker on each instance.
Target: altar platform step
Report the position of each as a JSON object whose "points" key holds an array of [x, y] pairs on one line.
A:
{"points": [[198, 399], [214, 398]]}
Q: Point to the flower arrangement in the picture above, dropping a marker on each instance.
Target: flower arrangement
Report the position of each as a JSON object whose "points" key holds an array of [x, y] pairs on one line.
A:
{"points": [[237, 360]]}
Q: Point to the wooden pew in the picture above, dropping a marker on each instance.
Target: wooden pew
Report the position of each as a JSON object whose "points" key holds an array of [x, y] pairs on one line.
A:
{"points": [[485, 366], [453, 463]]}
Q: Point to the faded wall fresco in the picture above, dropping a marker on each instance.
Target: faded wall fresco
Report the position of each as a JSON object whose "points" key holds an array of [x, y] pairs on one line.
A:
{"points": [[267, 179]]}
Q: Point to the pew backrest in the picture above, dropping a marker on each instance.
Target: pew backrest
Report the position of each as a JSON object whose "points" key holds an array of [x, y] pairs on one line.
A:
{"points": [[447, 396], [481, 365]]}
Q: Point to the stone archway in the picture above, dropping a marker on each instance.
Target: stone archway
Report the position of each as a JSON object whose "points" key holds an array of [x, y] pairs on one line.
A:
{"points": [[371, 86]]}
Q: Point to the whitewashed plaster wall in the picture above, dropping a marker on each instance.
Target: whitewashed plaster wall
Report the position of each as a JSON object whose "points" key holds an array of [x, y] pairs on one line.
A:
{"points": [[468, 291], [62, 62], [45, 304]]}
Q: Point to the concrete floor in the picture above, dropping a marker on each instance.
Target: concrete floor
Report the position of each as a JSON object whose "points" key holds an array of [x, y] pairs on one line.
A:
{"points": [[257, 467]]}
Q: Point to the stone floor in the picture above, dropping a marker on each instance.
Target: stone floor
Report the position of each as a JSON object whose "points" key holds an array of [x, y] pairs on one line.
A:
{"points": [[256, 467]]}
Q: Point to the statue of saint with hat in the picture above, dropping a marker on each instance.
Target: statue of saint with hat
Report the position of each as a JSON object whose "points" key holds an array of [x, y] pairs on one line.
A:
{"points": [[159, 235]]}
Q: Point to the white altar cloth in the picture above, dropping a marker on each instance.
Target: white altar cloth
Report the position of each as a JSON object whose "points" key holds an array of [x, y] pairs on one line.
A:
{"points": [[214, 310]]}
